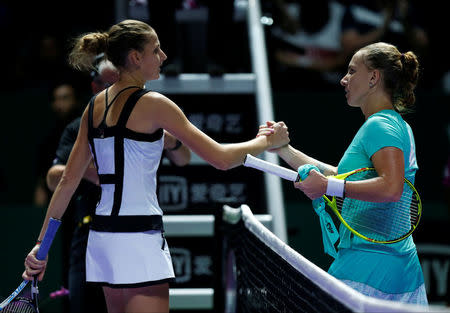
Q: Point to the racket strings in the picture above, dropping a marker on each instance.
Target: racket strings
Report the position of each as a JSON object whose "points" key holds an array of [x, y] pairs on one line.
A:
{"points": [[375, 233], [383, 235], [401, 218], [366, 229], [20, 305], [404, 219], [381, 221]]}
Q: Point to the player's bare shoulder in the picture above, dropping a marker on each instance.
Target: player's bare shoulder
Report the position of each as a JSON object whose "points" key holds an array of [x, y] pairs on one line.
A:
{"points": [[155, 105], [155, 100], [154, 96]]}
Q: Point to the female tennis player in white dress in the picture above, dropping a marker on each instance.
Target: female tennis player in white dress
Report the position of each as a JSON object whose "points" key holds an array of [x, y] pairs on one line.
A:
{"points": [[122, 131], [128, 220]]}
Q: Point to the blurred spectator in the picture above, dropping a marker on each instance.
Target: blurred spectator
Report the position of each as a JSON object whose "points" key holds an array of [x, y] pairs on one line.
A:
{"points": [[65, 106], [313, 40], [393, 21], [305, 43], [82, 296], [218, 33], [75, 232], [104, 74]]}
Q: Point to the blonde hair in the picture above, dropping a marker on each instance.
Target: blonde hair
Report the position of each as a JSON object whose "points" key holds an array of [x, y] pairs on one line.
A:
{"points": [[115, 44]]}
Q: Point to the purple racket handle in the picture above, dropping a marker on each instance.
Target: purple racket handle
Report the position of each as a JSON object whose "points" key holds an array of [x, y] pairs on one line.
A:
{"points": [[53, 226]]}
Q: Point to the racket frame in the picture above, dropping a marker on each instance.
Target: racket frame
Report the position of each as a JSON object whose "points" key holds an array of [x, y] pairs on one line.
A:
{"points": [[332, 204], [288, 174]]}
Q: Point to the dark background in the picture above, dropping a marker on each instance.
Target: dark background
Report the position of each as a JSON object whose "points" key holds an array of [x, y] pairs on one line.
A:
{"points": [[320, 122]]}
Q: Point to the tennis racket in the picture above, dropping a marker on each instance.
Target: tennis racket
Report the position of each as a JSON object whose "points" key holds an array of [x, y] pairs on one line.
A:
{"points": [[380, 222], [23, 299]]}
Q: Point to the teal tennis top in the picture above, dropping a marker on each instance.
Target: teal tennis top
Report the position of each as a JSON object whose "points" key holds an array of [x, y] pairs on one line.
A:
{"points": [[391, 268]]}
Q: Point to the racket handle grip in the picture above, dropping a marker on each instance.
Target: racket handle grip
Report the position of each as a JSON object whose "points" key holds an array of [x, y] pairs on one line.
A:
{"points": [[262, 165], [52, 227]]}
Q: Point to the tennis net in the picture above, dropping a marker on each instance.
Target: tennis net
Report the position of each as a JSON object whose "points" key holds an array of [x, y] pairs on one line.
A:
{"points": [[260, 273]]}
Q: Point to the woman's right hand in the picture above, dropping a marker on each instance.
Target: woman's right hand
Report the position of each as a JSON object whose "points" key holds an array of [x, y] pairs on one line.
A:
{"points": [[266, 129], [279, 137], [277, 134], [34, 266]]}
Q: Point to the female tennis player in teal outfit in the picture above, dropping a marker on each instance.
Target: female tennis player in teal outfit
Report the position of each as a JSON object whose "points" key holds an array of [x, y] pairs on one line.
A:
{"points": [[380, 81]]}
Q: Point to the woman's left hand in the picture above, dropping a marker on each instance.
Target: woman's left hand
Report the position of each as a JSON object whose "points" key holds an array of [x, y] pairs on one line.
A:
{"points": [[314, 186], [34, 266]]}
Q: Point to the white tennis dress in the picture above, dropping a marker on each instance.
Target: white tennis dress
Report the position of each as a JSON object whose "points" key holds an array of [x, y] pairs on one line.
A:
{"points": [[126, 246]]}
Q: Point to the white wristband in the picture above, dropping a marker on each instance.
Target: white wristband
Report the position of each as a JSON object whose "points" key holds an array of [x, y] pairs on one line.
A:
{"points": [[335, 187]]}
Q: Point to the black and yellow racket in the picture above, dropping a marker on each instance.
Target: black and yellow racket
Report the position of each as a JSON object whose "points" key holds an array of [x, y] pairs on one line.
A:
{"points": [[380, 222]]}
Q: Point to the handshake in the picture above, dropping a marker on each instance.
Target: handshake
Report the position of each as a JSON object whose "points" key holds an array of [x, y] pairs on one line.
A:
{"points": [[277, 134]]}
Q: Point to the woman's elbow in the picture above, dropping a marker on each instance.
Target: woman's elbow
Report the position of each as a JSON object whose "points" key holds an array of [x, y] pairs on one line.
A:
{"points": [[224, 159], [222, 164], [393, 194], [187, 158], [181, 162]]}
